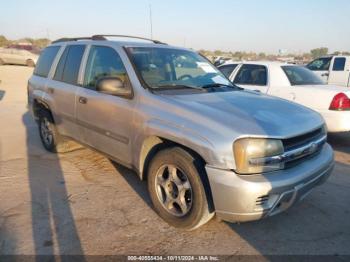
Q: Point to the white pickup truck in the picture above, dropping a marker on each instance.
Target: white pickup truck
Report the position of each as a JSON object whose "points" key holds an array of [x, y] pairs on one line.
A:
{"points": [[334, 69]]}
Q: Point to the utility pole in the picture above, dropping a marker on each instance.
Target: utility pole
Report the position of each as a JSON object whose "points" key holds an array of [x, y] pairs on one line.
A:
{"points": [[150, 19]]}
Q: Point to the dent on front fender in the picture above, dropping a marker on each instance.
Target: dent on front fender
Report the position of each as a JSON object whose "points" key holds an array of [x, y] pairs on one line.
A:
{"points": [[212, 154]]}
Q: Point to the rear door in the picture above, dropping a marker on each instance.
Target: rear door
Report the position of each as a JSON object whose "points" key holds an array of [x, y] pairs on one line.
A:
{"points": [[63, 87], [321, 67], [253, 77], [107, 119], [339, 72]]}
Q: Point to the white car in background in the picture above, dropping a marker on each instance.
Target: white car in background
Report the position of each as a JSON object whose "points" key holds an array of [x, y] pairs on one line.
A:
{"points": [[334, 69], [294, 83], [17, 57]]}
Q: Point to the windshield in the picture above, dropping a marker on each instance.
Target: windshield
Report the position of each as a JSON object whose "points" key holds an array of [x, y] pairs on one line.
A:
{"points": [[320, 64], [173, 68], [299, 75]]}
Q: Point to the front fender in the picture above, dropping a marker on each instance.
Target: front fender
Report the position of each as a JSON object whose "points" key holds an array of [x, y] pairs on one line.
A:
{"points": [[186, 137]]}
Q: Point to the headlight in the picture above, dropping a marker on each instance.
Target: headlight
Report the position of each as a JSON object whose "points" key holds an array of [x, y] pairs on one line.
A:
{"points": [[258, 155]]}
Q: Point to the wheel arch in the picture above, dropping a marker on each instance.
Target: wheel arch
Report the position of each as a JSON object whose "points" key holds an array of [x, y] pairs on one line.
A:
{"points": [[154, 144], [38, 106]]}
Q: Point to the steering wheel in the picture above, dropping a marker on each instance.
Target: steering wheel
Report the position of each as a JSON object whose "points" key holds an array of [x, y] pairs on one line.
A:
{"points": [[183, 77]]}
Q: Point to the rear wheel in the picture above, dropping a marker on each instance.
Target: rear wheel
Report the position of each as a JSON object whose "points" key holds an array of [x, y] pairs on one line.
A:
{"points": [[176, 189], [50, 138], [30, 63]]}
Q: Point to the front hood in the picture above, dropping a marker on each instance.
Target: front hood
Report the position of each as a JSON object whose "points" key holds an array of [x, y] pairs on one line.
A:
{"points": [[246, 113]]}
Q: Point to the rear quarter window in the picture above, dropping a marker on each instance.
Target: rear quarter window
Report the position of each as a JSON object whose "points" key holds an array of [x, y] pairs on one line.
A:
{"points": [[45, 61]]}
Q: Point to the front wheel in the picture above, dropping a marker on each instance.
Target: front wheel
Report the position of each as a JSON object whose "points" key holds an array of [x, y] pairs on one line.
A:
{"points": [[175, 185]]}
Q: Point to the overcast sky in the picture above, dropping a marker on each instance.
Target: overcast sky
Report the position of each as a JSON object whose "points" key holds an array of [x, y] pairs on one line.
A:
{"points": [[248, 25]]}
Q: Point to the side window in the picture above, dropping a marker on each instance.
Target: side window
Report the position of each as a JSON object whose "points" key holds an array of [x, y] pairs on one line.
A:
{"points": [[339, 64], [321, 64], [59, 69], [103, 62], [45, 61], [252, 75], [227, 69], [68, 67]]}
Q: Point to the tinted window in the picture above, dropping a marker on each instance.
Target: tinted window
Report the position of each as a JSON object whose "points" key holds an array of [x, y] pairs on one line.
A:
{"points": [[45, 61], [321, 64], [339, 64], [69, 64], [103, 62], [59, 69], [252, 75], [299, 75], [227, 69]]}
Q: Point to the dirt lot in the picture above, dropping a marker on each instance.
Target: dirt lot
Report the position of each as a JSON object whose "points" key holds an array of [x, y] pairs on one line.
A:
{"points": [[81, 203]]}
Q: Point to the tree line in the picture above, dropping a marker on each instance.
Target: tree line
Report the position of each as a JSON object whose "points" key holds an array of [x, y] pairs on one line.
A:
{"points": [[239, 55], [37, 42]]}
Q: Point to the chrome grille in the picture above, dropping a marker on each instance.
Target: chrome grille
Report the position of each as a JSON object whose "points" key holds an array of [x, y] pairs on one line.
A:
{"points": [[299, 141]]}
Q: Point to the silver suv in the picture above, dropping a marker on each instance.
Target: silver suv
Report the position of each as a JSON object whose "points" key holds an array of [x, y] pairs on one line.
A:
{"points": [[204, 145]]}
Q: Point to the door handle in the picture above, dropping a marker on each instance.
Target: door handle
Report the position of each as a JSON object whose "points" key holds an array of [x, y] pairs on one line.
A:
{"points": [[82, 100], [51, 90], [325, 74], [256, 90]]}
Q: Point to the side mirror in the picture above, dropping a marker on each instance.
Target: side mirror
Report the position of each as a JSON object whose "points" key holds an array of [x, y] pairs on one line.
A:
{"points": [[113, 86]]}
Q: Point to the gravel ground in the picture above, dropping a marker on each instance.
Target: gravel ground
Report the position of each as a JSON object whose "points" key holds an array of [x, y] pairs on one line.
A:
{"points": [[82, 203]]}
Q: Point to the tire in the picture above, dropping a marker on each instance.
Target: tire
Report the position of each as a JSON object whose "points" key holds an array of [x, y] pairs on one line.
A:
{"points": [[181, 198], [30, 63], [50, 138]]}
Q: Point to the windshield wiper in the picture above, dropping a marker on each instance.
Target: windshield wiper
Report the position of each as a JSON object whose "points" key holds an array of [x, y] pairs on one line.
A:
{"points": [[221, 85], [162, 87]]}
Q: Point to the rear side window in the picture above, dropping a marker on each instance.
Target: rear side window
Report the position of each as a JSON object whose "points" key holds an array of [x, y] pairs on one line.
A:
{"points": [[45, 61], [298, 75], [252, 75], [321, 64], [339, 64], [103, 62], [227, 69], [68, 67]]}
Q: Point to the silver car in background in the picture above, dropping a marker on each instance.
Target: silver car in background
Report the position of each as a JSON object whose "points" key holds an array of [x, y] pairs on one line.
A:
{"points": [[16, 56], [204, 145]]}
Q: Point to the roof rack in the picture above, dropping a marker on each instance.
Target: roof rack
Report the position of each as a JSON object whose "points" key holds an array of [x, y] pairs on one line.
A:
{"points": [[129, 36], [103, 37]]}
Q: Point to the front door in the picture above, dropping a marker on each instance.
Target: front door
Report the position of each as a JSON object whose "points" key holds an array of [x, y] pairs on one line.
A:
{"points": [[107, 119], [253, 77]]}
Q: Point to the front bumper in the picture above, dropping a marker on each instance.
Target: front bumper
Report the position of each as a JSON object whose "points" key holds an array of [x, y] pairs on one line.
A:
{"points": [[252, 197]]}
